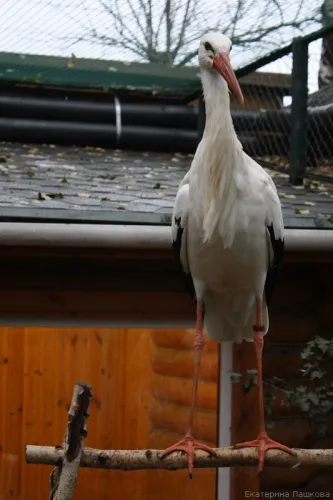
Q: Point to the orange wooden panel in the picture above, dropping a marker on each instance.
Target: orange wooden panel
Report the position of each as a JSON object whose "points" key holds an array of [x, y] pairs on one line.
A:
{"points": [[11, 399], [38, 368], [173, 365]]}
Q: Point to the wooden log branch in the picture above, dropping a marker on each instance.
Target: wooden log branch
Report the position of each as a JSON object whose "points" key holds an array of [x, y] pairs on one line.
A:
{"points": [[148, 459], [64, 477]]}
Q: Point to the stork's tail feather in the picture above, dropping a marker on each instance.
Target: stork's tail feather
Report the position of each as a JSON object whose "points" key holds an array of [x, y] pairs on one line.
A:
{"points": [[232, 321]]}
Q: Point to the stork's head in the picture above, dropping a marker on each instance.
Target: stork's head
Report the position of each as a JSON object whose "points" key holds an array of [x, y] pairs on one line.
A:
{"points": [[214, 54]]}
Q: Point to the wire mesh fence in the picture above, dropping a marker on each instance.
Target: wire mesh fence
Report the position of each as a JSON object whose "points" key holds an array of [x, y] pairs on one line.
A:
{"points": [[265, 122], [85, 32], [163, 31]]}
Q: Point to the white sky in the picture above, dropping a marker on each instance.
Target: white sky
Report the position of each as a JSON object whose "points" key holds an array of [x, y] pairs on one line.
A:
{"points": [[51, 27]]}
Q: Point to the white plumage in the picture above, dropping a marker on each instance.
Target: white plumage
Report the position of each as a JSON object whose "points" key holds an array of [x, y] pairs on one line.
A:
{"points": [[222, 212], [227, 233]]}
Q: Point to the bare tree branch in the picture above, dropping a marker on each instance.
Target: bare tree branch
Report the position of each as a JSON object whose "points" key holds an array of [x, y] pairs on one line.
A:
{"points": [[63, 479], [149, 459], [166, 31]]}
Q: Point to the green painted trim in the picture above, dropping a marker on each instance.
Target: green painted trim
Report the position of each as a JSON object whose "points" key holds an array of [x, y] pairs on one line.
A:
{"points": [[68, 216], [99, 74], [54, 215]]}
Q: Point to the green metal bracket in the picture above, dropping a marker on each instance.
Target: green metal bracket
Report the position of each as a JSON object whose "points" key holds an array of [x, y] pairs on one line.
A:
{"points": [[298, 140]]}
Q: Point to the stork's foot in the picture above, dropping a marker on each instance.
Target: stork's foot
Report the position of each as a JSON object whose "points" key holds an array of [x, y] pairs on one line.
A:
{"points": [[188, 445], [264, 443]]}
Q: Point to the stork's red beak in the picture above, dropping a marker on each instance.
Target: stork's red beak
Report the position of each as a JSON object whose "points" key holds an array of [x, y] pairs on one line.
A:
{"points": [[222, 64]]}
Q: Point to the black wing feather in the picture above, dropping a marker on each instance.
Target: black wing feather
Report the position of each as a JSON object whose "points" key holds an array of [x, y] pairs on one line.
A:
{"points": [[176, 245], [274, 268]]}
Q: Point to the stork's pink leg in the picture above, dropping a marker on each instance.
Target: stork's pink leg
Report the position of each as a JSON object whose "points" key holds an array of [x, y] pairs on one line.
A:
{"points": [[187, 444], [263, 442]]}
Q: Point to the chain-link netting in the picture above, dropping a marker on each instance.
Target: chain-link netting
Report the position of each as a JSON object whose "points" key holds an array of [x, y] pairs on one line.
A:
{"points": [[264, 122], [320, 110], [165, 31]]}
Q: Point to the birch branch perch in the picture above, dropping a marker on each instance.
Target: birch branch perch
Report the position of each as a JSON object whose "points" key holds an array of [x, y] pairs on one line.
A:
{"points": [[148, 459], [64, 477]]}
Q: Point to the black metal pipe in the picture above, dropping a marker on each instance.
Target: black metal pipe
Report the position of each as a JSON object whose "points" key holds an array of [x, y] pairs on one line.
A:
{"points": [[174, 116], [95, 112], [96, 134]]}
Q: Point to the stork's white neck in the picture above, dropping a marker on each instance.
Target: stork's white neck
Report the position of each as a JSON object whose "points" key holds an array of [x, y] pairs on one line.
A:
{"points": [[219, 126], [222, 156]]}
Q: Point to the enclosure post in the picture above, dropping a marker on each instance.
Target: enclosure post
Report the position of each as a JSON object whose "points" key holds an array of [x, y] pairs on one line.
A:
{"points": [[201, 118], [298, 140]]}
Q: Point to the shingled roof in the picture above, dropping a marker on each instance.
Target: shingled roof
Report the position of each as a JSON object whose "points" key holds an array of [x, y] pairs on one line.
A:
{"points": [[52, 183]]}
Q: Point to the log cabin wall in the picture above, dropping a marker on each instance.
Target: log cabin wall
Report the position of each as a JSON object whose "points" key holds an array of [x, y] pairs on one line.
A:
{"points": [[302, 308], [140, 377]]}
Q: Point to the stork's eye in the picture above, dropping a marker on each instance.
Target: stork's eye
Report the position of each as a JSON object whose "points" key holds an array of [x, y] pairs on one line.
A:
{"points": [[208, 46]]}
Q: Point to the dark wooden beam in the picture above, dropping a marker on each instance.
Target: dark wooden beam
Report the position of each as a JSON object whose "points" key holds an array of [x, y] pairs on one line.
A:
{"points": [[41, 285]]}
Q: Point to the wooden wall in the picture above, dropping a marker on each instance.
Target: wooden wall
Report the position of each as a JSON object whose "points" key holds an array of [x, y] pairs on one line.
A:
{"points": [[141, 385], [141, 381], [302, 308]]}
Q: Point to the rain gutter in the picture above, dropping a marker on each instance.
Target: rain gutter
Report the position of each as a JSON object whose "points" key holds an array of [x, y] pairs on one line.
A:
{"points": [[133, 237]]}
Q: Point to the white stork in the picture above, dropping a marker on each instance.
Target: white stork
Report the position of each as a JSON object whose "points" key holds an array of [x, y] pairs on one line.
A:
{"points": [[227, 232]]}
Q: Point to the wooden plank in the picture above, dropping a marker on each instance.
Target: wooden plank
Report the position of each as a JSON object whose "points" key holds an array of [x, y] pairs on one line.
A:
{"points": [[292, 327], [181, 363], [118, 364], [180, 339], [244, 423], [99, 305], [282, 360], [11, 391], [173, 364], [180, 394]]}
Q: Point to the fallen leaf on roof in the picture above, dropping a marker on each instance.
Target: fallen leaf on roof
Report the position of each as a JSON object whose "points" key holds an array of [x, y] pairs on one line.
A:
{"points": [[290, 196], [41, 197], [174, 159], [309, 203], [55, 196], [3, 159], [129, 179], [301, 212], [120, 207], [298, 187], [30, 173], [105, 199], [107, 177], [64, 180], [157, 185], [83, 195], [100, 149], [33, 151]]}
